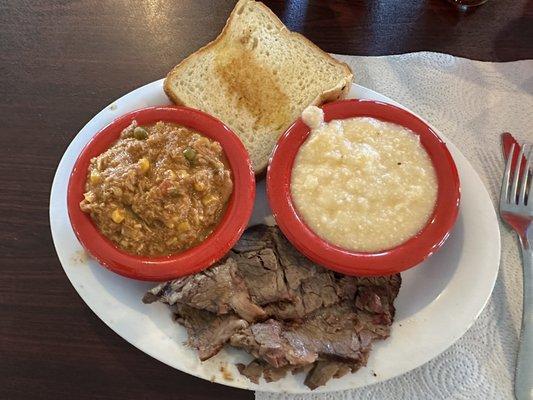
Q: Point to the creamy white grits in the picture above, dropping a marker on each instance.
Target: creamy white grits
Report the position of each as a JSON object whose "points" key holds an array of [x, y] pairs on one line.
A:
{"points": [[362, 184]]}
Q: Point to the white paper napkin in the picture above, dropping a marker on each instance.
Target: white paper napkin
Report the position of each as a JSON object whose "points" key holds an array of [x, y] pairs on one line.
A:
{"points": [[472, 103]]}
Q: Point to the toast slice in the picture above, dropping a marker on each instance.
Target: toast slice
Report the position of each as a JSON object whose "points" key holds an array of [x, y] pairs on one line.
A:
{"points": [[257, 77]]}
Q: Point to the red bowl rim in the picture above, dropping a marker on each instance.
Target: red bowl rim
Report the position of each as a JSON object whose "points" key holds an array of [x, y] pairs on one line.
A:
{"points": [[195, 259], [394, 260]]}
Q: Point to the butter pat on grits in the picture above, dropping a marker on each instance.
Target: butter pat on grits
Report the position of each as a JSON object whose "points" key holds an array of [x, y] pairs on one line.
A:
{"points": [[362, 184]]}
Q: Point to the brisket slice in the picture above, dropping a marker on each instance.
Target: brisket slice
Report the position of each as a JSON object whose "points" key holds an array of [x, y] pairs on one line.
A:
{"points": [[256, 369], [263, 276], [273, 374], [323, 371], [252, 371], [219, 290], [207, 332], [318, 289], [374, 305], [266, 341], [329, 333]]}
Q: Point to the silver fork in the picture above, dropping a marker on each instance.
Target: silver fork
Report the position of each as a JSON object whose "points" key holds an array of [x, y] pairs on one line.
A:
{"points": [[516, 208]]}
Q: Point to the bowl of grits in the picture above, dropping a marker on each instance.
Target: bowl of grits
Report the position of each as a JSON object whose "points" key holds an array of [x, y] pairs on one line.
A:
{"points": [[363, 187]]}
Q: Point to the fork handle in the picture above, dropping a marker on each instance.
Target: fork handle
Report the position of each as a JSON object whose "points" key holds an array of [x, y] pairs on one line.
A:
{"points": [[524, 364]]}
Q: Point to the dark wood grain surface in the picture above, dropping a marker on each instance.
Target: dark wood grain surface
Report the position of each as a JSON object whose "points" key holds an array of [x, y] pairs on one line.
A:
{"points": [[60, 63]]}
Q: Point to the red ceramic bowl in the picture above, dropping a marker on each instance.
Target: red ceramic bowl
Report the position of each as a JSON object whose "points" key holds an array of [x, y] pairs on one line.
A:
{"points": [[386, 262], [192, 260]]}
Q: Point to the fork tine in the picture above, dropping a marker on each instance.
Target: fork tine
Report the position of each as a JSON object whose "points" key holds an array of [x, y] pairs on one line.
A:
{"points": [[516, 176], [530, 193], [504, 193], [525, 174]]}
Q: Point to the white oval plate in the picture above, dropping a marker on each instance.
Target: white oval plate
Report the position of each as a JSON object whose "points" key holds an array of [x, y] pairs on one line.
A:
{"points": [[438, 301]]}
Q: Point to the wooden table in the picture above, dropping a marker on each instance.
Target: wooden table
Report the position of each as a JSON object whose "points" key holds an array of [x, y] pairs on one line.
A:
{"points": [[61, 62]]}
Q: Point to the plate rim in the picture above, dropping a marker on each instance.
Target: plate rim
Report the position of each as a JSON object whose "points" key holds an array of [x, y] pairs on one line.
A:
{"points": [[266, 387]]}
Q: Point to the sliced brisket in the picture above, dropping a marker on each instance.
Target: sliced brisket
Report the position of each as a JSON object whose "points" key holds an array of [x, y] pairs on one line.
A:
{"points": [[289, 313], [252, 371], [207, 332], [218, 290], [323, 371]]}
